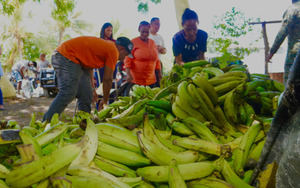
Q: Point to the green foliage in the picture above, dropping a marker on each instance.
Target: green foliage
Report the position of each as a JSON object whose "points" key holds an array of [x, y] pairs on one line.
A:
{"points": [[229, 29], [8, 6], [143, 5], [31, 49], [35, 44], [63, 14], [46, 41], [13, 33], [233, 24], [21, 44], [39, 43], [62, 11]]}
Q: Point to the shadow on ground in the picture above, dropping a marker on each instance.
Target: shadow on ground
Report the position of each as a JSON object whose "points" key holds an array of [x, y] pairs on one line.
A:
{"points": [[21, 109]]}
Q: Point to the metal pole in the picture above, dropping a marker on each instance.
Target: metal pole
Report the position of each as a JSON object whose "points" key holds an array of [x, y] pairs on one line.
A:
{"points": [[266, 22]]}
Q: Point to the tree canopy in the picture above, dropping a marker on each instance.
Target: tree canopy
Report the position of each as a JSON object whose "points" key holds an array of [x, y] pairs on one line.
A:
{"points": [[8, 6]]}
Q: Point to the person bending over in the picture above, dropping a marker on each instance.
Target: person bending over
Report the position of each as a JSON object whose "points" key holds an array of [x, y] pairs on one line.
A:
{"points": [[73, 62]]}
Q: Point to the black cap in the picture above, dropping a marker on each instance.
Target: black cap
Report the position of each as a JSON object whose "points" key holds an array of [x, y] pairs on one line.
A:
{"points": [[126, 43]]}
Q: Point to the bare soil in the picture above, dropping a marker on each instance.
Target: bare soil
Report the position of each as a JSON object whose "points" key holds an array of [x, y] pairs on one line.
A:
{"points": [[21, 109]]}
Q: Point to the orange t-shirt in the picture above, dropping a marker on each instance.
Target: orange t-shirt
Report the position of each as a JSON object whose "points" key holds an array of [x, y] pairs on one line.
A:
{"points": [[90, 52], [144, 62]]}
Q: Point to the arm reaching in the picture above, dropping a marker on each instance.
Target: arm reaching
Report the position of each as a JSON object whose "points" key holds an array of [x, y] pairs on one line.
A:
{"points": [[107, 84]]}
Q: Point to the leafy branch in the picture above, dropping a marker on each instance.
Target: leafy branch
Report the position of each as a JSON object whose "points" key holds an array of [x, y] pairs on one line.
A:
{"points": [[229, 29], [143, 5]]}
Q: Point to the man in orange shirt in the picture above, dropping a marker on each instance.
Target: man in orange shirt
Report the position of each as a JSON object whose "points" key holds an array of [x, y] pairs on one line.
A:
{"points": [[74, 61]]}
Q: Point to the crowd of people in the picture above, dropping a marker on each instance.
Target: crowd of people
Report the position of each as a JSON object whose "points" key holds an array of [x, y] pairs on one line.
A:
{"points": [[145, 66], [80, 61], [25, 70]]}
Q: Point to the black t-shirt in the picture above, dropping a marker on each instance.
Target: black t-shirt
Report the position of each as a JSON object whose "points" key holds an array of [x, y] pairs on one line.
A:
{"points": [[189, 51]]}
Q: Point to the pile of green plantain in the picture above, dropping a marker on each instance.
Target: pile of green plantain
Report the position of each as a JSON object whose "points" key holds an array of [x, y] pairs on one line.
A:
{"points": [[205, 127]]}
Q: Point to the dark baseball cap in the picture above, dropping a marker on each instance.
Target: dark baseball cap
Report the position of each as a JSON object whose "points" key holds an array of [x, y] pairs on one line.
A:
{"points": [[126, 43]]}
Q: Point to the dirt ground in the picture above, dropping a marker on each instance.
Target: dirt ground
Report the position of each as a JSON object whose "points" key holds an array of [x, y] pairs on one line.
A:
{"points": [[20, 109]]}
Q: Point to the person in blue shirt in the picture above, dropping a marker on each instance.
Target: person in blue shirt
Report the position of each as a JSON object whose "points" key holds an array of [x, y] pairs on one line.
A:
{"points": [[190, 43], [1, 74]]}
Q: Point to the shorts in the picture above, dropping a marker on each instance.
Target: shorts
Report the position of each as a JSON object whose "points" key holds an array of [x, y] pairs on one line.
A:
{"points": [[17, 76]]}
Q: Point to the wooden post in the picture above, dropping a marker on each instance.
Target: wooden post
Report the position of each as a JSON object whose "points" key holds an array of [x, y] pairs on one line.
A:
{"points": [[266, 42], [267, 48]]}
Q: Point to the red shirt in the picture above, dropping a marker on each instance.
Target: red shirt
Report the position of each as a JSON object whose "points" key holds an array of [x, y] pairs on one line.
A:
{"points": [[90, 52], [144, 62]]}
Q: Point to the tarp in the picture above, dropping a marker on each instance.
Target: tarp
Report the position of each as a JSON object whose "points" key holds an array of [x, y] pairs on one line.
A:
{"points": [[7, 88]]}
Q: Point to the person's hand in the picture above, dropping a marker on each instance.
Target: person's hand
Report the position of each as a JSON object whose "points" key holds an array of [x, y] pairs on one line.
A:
{"points": [[102, 105], [95, 96], [181, 63], [159, 75], [94, 82], [129, 78], [161, 49]]}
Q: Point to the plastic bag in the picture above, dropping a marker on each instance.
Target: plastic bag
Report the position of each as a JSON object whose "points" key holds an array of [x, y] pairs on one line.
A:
{"points": [[38, 92], [8, 89], [26, 88]]}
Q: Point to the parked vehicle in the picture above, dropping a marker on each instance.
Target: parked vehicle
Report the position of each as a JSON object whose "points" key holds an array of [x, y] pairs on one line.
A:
{"points": [[48, 82]]}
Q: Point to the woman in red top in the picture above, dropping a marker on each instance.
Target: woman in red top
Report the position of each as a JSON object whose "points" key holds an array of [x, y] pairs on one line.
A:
{"points": [[142, 66]]}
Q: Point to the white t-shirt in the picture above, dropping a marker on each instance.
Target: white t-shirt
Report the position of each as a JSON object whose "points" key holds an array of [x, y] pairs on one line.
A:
{"points": [[17, 66], [159, 41], [43, 64]]}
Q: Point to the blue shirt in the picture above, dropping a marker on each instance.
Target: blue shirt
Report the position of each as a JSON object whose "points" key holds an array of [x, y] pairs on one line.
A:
{"points": [[1, 71], [189, 51]]}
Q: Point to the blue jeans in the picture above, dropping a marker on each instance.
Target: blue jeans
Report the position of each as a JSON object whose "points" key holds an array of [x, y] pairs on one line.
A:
{"points": [[101, 73], [73, 81]]}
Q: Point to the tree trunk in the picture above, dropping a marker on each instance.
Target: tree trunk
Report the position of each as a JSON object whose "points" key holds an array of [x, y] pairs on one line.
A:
{"points": [[267, 48], [60, 35], [180, 6], [20, 47], [11, 59]]}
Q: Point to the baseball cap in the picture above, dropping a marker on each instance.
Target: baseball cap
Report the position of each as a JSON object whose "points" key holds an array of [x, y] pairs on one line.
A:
{"points": [[126, 43]]}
